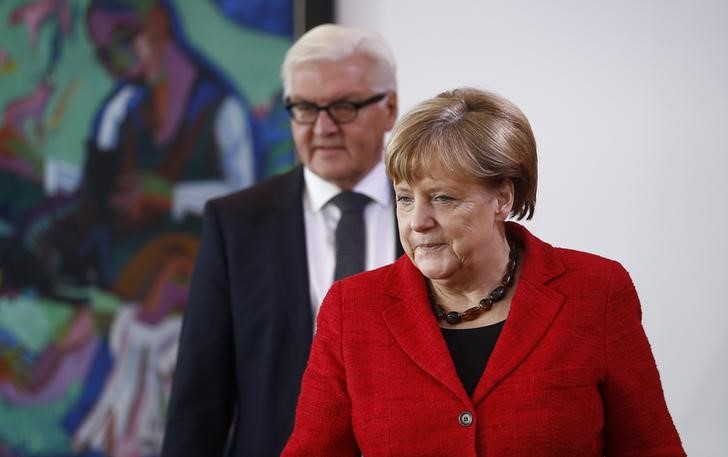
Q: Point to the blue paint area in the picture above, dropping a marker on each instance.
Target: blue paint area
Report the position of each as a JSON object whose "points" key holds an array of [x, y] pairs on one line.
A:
{"points": [[270, 16], [92, 388]]}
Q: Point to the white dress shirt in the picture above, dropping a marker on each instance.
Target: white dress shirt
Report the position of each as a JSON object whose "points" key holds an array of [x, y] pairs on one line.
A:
{"points": [[320, 220]]}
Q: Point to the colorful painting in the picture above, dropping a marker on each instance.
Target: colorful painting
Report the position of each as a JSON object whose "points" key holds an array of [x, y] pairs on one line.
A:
{"points": [[120, 119]]}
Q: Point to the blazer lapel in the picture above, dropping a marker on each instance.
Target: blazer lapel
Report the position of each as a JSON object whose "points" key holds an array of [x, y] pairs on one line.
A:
{"points": [[411, 322], [533, 308]]}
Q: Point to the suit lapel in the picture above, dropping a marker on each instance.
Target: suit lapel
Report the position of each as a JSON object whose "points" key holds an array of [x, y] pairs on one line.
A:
{"points": [[411, 322], [288, 225], [533, 308]]}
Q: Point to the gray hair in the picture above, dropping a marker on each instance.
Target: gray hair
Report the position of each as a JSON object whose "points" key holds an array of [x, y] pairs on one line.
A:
{"points": [[332, 42]]}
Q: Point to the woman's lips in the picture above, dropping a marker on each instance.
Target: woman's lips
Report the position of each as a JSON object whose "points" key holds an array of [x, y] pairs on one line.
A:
{"points": [[428, 246]]}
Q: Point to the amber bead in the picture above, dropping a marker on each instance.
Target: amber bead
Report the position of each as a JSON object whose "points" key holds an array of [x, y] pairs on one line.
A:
{"points": [[472, 313], [486, 304]]}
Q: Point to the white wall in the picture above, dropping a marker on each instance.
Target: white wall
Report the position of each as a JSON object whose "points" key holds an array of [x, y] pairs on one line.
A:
{"points": [[628, 100]]}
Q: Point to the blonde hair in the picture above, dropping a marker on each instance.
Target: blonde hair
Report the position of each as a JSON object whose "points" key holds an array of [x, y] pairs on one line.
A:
{"points": [[331, 42], [468, 133]]}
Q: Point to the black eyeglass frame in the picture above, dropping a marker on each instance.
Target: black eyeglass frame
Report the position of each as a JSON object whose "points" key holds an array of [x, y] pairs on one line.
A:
{"points": [[290, 107]]}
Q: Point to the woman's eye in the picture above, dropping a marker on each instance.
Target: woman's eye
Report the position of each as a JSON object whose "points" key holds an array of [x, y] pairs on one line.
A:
{"points": [[442, 198], [404, 199]]}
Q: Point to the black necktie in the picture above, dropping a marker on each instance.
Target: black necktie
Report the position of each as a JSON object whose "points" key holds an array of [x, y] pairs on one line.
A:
{"points": [[350, 236]]}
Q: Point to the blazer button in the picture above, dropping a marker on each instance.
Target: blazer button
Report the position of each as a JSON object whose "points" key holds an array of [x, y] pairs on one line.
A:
{"points": [[465, 419]]}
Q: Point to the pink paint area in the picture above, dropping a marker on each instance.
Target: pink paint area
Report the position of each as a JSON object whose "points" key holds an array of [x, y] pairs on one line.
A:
{"points": [[35, 14], [29, 107]]}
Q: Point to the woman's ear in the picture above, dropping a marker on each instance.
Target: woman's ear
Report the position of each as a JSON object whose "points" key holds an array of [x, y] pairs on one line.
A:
{"points": [[504, 194]]}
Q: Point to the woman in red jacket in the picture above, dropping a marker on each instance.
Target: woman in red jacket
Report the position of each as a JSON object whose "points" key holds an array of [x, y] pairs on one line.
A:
{"points": [[482, 340]]}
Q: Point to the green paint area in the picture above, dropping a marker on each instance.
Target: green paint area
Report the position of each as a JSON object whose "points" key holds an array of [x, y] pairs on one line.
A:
{"points": [[34, 322], [250, 59], [37, 430], [79, 83]]}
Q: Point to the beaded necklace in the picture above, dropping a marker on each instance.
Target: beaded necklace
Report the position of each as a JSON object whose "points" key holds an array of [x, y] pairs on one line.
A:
{"points": [[455, 317]]}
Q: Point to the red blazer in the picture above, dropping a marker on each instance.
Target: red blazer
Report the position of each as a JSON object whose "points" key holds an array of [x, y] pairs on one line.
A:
{"points": [[572, 373]]}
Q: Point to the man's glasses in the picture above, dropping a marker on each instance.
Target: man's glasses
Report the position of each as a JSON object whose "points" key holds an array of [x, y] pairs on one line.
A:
{"points": [[341, 112]]}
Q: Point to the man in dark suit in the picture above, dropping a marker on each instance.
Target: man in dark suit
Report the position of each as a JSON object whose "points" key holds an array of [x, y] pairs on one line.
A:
{"points": [[267, 255]]}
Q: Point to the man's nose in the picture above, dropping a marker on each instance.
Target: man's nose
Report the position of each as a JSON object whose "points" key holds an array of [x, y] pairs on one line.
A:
{"points": [[324, 124]]}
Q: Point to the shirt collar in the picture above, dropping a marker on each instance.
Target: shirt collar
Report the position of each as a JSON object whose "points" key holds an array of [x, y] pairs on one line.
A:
{"points": [[375, 185]]}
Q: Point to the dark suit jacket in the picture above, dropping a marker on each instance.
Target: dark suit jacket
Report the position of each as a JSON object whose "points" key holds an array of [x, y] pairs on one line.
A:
{"points": [[248, 326], [571, 375]]}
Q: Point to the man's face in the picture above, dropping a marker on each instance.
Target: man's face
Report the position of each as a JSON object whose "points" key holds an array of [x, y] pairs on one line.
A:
{"points": [[114, 37], [341, 154]]}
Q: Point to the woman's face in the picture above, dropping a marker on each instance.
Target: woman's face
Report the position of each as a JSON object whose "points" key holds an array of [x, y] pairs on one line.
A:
{"points": [[449, 226]]}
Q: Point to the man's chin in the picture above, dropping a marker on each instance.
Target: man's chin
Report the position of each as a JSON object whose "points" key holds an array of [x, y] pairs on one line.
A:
{"points": [[342, 177]]}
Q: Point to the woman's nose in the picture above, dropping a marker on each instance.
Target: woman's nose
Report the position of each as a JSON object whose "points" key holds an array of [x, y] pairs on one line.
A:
{"points": [[421, 217]]}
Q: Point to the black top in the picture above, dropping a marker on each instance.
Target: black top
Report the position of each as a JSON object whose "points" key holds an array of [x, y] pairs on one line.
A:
{"points": [[470, 349]]}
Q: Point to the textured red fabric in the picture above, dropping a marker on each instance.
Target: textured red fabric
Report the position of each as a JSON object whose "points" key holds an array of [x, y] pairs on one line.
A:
{"points": [[572, 373]]}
